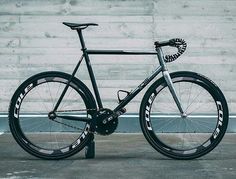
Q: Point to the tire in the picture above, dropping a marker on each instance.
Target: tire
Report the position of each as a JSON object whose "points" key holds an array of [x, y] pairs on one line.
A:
{"points": [[51, 138], [190, 136]]}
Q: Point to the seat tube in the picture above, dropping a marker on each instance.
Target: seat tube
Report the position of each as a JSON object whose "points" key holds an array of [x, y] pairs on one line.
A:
{"points": [[92, 77], [90, 70], [168, 80]]}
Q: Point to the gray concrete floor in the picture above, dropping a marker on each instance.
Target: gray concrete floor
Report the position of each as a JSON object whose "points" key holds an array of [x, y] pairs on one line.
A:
{"points": [[119, 156]]}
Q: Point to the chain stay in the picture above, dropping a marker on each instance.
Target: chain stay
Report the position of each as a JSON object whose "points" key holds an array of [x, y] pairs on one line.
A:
{"points": [[74, 110]]}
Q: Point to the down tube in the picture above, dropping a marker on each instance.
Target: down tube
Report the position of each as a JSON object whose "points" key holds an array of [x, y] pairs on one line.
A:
{"points": [[138, 89]]}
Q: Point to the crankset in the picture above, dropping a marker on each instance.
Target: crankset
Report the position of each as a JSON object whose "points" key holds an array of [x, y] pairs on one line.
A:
{"points": [[105, 128]]}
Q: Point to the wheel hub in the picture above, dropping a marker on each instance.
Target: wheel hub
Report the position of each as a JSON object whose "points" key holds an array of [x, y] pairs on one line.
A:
{"points": [[184, 115], [52, 115]]}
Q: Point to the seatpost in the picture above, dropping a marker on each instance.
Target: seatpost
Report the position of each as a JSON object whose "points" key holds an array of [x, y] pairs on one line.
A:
{"points": [[79, 31]]}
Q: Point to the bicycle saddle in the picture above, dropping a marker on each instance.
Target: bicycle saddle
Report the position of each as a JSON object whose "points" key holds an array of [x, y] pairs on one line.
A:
{"points": [[75, 26]]}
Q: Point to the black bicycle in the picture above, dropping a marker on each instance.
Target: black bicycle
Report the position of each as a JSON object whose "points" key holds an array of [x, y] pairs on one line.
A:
{"points": [[183, 115]]}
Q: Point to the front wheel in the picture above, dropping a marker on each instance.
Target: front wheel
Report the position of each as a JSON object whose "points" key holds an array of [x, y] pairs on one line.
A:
{"points": [[33, 128], [194, 134]]}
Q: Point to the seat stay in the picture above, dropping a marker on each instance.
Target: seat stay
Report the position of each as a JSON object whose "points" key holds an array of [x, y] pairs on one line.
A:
{"points": [[76, 26]]}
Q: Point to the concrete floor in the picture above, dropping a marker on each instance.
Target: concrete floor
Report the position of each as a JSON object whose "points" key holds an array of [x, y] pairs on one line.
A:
{"points": [[119, 156]]}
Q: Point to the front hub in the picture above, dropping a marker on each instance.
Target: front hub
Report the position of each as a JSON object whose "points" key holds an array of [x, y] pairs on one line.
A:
{"points": [[184, 115]]}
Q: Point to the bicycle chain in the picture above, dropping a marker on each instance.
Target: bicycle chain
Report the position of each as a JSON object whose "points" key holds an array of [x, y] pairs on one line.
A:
{"points": [[73, 127], [68, 125]]}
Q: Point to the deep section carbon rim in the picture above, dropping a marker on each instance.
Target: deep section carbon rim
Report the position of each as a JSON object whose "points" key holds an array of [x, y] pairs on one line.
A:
{"points": [[31, 125], [187, 136]]}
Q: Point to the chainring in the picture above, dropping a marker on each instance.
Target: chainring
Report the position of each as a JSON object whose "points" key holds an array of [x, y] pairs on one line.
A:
{"points": [[109, 127]]}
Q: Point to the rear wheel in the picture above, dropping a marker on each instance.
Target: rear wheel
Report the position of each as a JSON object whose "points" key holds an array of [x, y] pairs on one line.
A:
{"points": [[190, 136], [37, 132]]}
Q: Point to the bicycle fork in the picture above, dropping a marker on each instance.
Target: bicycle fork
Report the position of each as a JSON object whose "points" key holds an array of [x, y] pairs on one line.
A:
{"points": [[169, 82], [173, 92]]}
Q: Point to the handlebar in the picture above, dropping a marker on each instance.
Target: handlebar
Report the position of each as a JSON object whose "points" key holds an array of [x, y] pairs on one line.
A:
{"points": [[180, 44]]}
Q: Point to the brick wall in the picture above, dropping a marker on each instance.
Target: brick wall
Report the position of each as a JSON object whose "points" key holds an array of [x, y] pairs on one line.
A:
{"points": [[33, 39]]}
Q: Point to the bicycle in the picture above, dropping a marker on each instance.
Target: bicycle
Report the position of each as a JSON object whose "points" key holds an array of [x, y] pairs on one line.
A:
{"points": [[183, 115]]}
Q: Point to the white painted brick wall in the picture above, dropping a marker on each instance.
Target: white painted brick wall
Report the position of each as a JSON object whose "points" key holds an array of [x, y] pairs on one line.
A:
{"points": [[33, 39]]}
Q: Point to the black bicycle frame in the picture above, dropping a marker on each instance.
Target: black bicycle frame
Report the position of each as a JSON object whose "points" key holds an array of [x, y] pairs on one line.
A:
{"points": [[133, 93]]}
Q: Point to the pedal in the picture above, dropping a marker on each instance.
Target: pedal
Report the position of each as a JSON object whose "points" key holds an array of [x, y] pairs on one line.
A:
{"points": [[121, 111], [121, 96]]}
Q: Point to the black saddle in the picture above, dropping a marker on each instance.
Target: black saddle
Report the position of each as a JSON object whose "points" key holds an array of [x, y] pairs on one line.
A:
{"points": [[75, 26]]}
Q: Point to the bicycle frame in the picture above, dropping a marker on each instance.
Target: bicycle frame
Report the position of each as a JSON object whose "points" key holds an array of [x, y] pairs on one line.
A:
{"points": [[162, 68], [129, 97]]}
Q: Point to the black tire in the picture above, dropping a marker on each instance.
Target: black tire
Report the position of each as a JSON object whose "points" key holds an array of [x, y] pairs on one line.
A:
{"points": [[182, 137], [29, 122]]}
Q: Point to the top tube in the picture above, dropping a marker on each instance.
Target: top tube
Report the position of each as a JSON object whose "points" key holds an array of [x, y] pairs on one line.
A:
{"points": [[118, 52]]}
